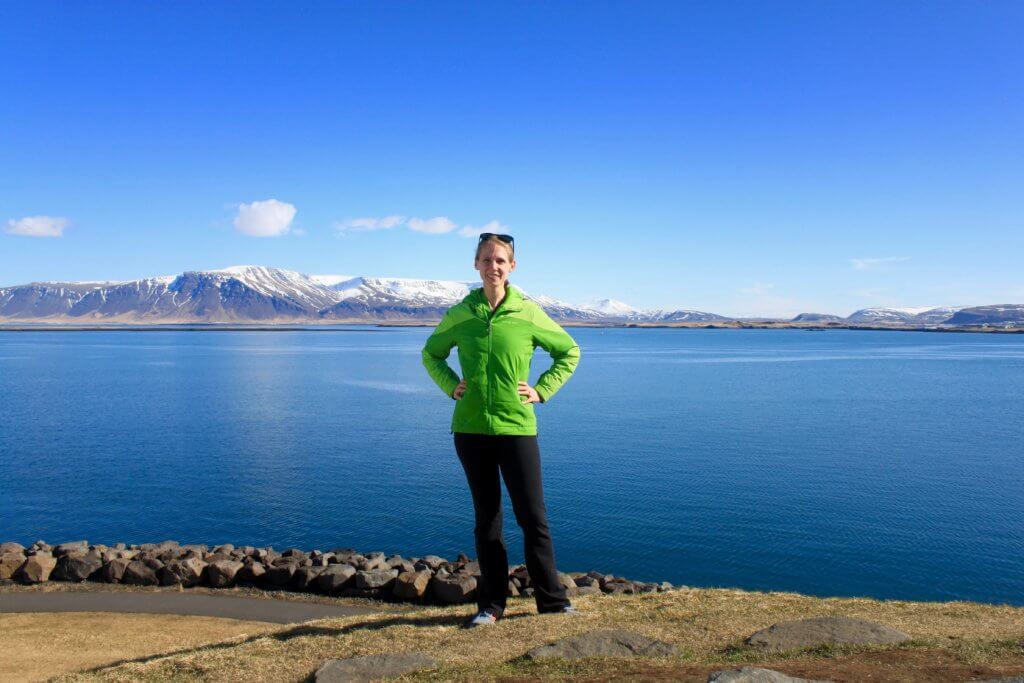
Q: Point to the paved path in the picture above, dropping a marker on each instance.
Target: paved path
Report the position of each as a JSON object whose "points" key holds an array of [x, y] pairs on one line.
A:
{"points": [[195, 604]]}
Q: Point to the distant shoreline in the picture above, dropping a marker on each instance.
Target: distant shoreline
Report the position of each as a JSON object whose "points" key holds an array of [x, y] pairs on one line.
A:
{"points": [[370, 327]]}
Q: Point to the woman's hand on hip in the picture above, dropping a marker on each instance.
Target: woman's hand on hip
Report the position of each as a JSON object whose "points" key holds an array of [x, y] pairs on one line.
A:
{"points": [[529, 392], [459, 390]]}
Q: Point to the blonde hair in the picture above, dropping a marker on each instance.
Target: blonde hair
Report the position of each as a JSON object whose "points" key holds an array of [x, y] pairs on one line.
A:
{"points": [[494, 238]]}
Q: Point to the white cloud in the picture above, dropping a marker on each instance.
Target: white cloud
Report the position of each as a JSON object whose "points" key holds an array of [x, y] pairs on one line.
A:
{"points": [[358, 224], [439, 225], [38, 226], [432, 226], [493, 226], [268, 218], [872, 263]]}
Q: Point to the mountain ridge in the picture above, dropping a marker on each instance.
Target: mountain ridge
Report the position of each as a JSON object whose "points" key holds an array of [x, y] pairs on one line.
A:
{"points": [[254, 293]]}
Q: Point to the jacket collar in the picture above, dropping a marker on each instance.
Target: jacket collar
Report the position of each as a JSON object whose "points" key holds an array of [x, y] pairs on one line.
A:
{"points": [[513, 300]]}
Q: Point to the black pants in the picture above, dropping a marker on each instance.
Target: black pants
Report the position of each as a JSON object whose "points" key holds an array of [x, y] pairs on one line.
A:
{"points": [[517, 458]]}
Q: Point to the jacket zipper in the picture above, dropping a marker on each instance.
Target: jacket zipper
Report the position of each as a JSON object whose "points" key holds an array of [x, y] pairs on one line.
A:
{"points": [[490, 408]]}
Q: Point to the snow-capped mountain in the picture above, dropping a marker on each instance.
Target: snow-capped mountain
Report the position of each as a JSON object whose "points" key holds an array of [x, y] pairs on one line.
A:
{"points": [[937, 315], [817, 318], [263, 294], [685, 316], [991, 315], [302, 290], [392, 298], [919, 315], [879, 315], [885, 316], [239, 293], [610, 308], [426, 292]]}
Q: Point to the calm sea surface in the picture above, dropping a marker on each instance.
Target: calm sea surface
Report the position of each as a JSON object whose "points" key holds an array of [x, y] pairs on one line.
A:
{"points": [[886, 464]]}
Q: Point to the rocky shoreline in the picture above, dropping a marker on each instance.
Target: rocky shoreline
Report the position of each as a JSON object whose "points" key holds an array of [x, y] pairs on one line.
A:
{"points": [[341, 572]]}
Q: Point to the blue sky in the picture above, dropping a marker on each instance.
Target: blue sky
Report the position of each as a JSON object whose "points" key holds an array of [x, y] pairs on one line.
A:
{"points": [[743, 158]]}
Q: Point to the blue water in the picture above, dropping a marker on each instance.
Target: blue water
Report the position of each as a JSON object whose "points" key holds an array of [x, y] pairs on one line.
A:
{"points": [[885, 464]]}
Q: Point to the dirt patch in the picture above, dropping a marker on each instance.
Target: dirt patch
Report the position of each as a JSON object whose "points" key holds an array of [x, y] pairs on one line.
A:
{"points": [[38, 646]]}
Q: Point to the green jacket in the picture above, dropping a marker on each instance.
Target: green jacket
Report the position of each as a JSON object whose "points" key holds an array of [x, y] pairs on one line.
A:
{"points": [[495, 350]]}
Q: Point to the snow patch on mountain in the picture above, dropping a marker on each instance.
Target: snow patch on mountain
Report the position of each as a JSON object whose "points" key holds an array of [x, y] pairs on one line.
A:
{"points": [[610, 307], [918, 314], [433, 292], [330, 280], [914, 310]]}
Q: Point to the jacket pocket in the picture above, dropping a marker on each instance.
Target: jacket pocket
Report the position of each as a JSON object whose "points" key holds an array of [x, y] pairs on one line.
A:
{"points": [[513, 414]]}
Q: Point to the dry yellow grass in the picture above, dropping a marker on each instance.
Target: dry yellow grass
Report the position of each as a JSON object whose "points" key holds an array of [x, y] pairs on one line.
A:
{"points": [[38, 646], [708, 625]]}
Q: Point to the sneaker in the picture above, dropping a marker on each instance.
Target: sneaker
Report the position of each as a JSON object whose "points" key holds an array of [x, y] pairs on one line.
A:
{"points": [[482, 618]]}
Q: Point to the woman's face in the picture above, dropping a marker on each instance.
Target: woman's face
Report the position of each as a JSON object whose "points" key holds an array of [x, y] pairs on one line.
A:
{"points": [[494, 263]]}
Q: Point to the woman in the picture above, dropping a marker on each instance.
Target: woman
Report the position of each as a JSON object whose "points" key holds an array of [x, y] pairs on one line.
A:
{"points": [[496, 331]]}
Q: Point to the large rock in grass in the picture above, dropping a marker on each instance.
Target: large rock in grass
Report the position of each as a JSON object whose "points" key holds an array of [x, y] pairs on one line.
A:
{"points": [[36, 568], [335, 578], [221, 574], [77, 566], [792, 635], [411, 585], [372, 667], [750, 674], [9, 564], [604, 643], [453, 589]]}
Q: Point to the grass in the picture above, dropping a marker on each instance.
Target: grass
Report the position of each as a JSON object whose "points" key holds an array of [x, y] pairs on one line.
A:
{"points": [[38, 646], [952, 641]]}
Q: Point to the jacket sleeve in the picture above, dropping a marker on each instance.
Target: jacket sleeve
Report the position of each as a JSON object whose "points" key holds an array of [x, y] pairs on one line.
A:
{"points": [[564, 351], [436, 351]]}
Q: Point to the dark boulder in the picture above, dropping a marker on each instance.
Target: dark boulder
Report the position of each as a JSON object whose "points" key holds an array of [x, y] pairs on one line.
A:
{"points": [[139, 573]]}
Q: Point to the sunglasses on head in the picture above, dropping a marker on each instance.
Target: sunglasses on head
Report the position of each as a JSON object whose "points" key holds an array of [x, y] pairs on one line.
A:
{"points": [[507, 239]]}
